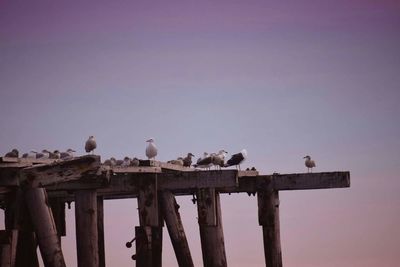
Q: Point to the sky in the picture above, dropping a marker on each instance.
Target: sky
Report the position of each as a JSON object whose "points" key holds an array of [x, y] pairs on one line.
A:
{"points": [[280, 78]]}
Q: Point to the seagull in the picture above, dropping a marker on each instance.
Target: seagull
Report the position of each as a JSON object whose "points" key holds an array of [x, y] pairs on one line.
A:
{"points": [[126, 162], [13, 153], [90, 144], [55, 154], [179, 161], [69, 154], [45, 154], [205, 162], [219, 158], [135, 162], [37, 155], [309, 163], [187, 161], [29, 155], [110, 162], [237, 159], [151, 149]]}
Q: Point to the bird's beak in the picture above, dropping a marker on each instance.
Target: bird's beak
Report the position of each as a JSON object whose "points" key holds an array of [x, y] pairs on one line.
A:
{"points": [[304, 157]]}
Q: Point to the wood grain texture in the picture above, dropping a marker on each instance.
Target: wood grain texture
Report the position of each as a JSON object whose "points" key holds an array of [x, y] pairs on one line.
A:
{"points": [[86, 228], [170, 209], [45, 228]]}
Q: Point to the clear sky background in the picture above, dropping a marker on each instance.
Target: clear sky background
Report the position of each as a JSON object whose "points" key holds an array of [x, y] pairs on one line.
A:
{"points": [[280, 78]]}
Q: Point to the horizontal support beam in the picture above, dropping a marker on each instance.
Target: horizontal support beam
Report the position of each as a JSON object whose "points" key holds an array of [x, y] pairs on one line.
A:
{"points": [[226, 181]]}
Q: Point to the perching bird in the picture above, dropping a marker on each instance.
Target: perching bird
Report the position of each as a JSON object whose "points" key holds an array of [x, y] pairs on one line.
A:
{"points": [[237, 159], [90, 144], [135, 162], [13, 153], [179, 161], [110, 162], [45, 154], [39, 155], [205, 162], [55, 154], [187, 161], [219, 159], [69, 154], [151, 149], [309, 163], [126, 162]]}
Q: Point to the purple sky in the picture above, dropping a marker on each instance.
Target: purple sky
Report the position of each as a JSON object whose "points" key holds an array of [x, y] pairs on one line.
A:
{"points": [[281, 79]]}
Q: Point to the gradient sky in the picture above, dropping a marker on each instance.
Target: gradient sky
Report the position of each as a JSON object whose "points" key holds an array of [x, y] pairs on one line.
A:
{"points": [[280, 78]]}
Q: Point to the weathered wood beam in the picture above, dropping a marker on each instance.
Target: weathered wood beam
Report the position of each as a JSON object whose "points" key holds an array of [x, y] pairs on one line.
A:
{"points": [[86, 228], [211, 230], [85, 167], [43, 222], [4, 160], [176, 231], [122, 186], [268, 218]]}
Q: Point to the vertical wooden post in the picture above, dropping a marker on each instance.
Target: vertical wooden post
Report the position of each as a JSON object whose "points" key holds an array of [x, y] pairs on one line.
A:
{"points": [[100, 230], [149, 234], [268, 217], [45, 228], [58, 209], [211, 231], [18, 222], [175, 229], [86, 228]]}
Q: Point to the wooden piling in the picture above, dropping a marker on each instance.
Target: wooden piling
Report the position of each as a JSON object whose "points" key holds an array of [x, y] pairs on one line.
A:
{"points": [[58, 209], [18, 223], [86, 228], [149, 233], [211, 230], [100, 231], [268, 216], [176, 232], [45, 228]]}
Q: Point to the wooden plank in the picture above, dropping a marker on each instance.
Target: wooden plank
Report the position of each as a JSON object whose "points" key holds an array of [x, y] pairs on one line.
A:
{"points": [[85, 167], [198, 179], [174, 167], [86, 228], [176, 231], [43, 221], [128, 170], [302, 181], [212, 236], [123, 186], [26, 161]]}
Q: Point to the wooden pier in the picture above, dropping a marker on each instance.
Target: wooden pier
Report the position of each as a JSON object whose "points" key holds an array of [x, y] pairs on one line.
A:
{"points": [[33, 194]]}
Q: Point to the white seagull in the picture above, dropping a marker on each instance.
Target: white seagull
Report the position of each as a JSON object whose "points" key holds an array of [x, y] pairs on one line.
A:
{"points": [[90, 144], [151, 149], [309, 163]]}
